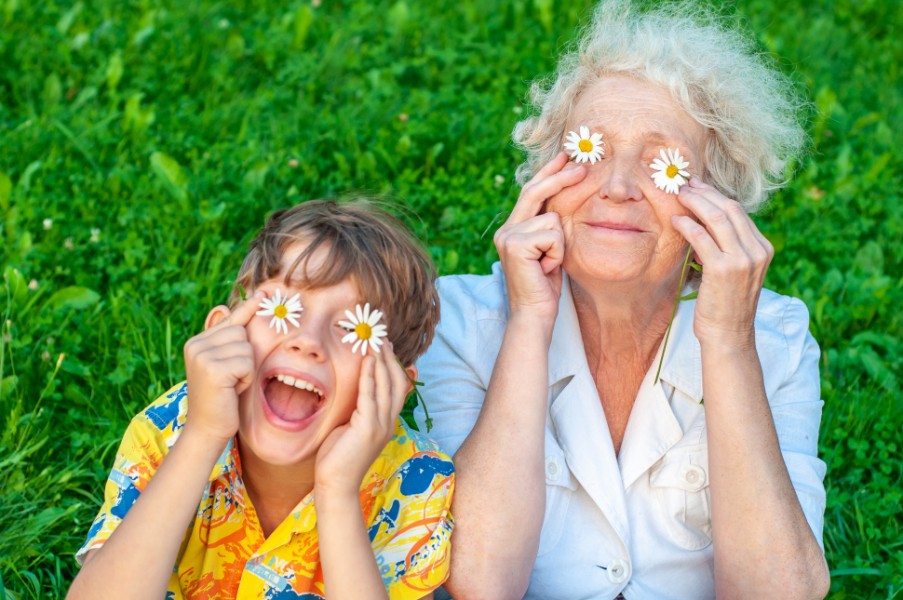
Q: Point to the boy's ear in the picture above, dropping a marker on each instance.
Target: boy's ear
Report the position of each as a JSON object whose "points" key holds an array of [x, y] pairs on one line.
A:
{"points": [[216, 315], [412, 376]]}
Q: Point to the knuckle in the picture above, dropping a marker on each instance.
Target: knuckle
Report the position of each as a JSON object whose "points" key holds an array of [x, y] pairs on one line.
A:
{"points": [[719, 218], [698, 231], [735, 208]]}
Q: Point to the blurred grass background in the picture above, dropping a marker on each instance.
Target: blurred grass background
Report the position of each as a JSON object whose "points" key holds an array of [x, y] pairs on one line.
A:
{"points": [[144, 142]]}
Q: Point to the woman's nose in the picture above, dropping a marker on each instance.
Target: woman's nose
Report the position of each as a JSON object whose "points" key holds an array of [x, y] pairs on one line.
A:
{"points": [[620, 180]]}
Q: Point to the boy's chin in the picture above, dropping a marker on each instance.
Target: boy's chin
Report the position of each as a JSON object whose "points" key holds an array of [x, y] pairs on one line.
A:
{"points": [[271, 451]]}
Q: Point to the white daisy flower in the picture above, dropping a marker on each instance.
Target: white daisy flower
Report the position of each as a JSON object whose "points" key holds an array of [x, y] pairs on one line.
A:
{"points": [[670, 171], [282, 310], [364, 328], [585, 147]]}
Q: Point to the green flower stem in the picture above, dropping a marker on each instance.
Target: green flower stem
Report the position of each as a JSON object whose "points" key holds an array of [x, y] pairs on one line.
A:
{"points": [[677, 299], [414, 385]]}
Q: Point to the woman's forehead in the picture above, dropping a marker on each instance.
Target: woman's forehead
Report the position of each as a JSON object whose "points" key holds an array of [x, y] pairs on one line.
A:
{"points": [[622, 107]]}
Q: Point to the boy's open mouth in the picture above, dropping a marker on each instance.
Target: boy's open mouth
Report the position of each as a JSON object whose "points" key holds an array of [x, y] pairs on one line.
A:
{"points": [[292, 399]]}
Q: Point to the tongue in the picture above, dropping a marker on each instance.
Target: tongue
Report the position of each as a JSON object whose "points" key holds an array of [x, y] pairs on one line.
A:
{"points": [[290, 403]]}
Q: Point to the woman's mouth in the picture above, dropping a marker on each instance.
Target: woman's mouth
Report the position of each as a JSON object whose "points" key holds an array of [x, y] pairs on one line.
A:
{"points": [[616, 227]]}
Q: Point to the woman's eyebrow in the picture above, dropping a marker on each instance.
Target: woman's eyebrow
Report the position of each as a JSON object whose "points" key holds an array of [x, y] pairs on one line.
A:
{"points": [[657, 138]]}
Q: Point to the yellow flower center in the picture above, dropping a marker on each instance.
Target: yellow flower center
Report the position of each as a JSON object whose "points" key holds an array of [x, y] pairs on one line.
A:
{"points": [[585, 146], [363, 331], [671, 171], [280, 311]]}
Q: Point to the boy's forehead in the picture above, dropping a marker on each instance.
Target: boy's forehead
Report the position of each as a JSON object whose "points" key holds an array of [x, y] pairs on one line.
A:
{"points": [[308, 272]]}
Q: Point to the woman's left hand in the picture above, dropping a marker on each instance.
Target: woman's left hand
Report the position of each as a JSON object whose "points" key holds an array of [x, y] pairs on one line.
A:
{"points": [[735, 256]]}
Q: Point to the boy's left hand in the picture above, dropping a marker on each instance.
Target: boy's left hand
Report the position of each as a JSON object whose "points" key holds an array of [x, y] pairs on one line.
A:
{"points": [[350, 449]]}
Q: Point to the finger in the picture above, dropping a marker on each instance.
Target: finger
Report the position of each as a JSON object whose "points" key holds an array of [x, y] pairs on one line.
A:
{"points": [[400, 385], [714, 218], [549, 220], [545, 245], [245, 310], [383, 382], [553, 254], [546, 183], [366, 389], [744, 227], [553, 166], [698, 237]]}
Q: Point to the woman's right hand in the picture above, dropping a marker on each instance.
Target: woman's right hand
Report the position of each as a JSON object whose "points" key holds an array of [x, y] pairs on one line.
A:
{"points": [[531, 243]]}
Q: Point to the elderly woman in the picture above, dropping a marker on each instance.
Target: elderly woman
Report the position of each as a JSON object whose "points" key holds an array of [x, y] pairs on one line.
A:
{"points": [[605, 444]]}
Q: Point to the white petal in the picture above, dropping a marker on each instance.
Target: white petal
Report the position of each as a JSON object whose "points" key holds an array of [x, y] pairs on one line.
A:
{"points": [[347, 324], [291, 319], [584, 132], [360, 313], [349, 338], [355, 346]]}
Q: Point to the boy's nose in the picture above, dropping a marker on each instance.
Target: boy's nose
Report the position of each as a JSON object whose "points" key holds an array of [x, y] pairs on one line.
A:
{"points": [[306, 340]]}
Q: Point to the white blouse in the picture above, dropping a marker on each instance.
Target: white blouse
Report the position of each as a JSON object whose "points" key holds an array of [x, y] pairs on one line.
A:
{"points": [[638, 523]]}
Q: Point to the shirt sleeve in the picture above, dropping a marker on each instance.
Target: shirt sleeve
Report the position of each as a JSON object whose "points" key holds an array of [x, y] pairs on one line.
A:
{"points": [[140, 453], [457, 367], [411, 534], [796, 406]]}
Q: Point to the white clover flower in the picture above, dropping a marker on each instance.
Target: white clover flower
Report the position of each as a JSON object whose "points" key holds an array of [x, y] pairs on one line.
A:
{"points": [[670, 171], [364, 328], [282, 310], [95, 235], [585, 147], [48, 224]]}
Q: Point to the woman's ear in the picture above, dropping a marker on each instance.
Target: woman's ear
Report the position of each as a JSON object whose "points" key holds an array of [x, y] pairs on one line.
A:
{"points": [[216, 315]]}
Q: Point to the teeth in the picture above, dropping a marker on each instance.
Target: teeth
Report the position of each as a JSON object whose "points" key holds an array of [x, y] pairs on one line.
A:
{"points": [[299, 383]]}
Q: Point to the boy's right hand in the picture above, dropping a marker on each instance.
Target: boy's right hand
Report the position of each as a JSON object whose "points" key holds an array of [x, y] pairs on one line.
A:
{"points": [[219, 363]]}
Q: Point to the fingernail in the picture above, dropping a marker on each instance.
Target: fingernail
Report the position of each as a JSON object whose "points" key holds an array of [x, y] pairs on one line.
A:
{"points": [[695, 182]]}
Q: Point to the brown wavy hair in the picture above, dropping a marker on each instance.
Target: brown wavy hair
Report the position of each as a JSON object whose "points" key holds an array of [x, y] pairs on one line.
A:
{"points": [[364, 242]]}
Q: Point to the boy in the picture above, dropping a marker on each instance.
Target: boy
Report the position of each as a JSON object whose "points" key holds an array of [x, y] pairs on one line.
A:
{"points": [[287, 430]]}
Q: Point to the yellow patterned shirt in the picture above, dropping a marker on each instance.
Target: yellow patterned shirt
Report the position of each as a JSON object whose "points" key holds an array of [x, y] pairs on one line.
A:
{"points": [[405, 500]]}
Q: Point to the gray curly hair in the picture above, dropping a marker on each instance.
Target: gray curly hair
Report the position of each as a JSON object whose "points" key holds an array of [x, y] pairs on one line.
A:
{"points": [[713, 72]]}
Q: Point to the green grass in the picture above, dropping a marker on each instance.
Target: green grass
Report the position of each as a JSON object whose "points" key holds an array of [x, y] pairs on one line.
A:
{"points": [[155, 137]]}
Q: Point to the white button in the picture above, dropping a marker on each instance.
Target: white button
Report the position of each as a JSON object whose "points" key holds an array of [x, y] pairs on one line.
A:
{"points": [[695, 476], [552, 468], [618, 571]]}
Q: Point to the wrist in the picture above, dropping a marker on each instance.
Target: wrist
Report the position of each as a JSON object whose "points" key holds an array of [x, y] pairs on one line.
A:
{"points": [[333, 499], [531, 326], [202, 444], [728, 345], [728, 339]]}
